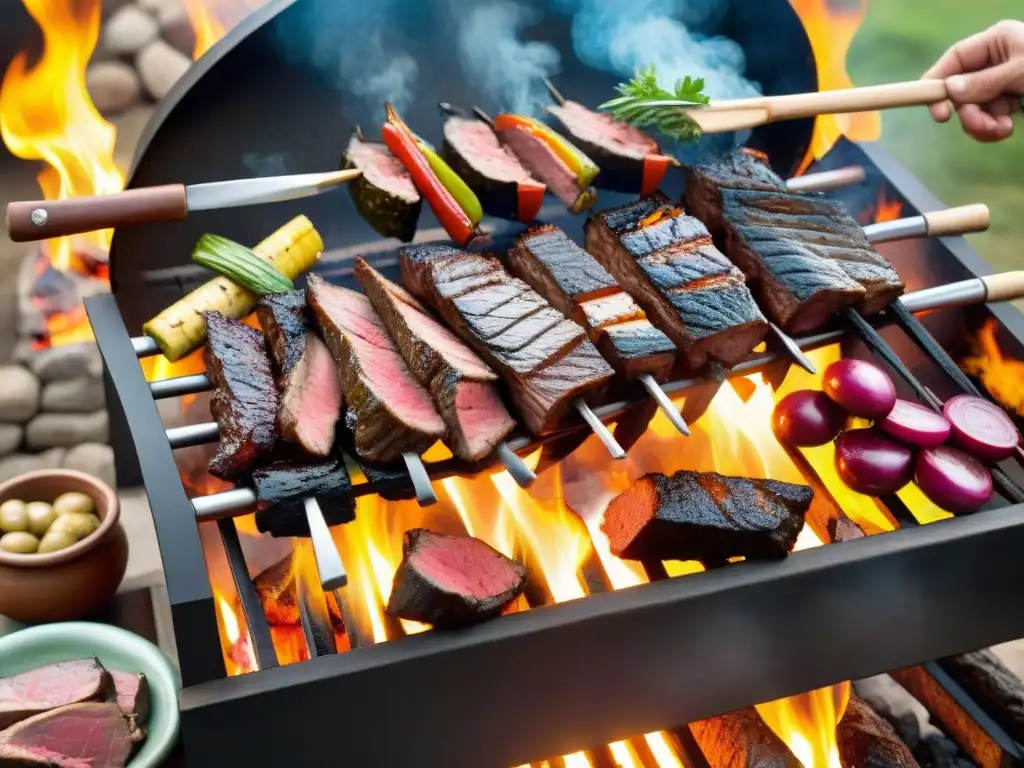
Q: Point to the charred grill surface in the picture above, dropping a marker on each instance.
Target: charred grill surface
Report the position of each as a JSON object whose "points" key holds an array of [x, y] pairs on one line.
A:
{"points": [[244, 399], [705, 516], [739, 169], [462, 385], [688, 289], [387, 411], [546, 360], [866, 740], [384, 195]]}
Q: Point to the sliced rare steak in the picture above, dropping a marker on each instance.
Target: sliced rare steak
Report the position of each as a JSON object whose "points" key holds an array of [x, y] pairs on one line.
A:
{"points": [[309, 403], [571, 279], [629, 159], [90, 735], [866, 740], [544, 164], [546, 360], [452, 581], [740, 169], [705, 516], [504, 186], [54, 685], [688, 289], [282, 486], [387, 410], [132, 690], [244, 400], [462, 385], [384, 195], [807, 256]]}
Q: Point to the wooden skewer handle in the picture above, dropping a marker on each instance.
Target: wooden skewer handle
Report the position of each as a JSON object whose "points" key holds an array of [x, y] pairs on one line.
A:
{"points": [[958, 221], [43, 219], [1006, 286], [856, 99]]}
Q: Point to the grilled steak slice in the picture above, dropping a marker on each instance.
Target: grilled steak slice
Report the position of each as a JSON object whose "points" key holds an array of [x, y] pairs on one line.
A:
{"points": [[546, 360], [461, 384], [705, 516], [387, 411], [89, 735], [629, 159], [311, 400], [244, 400], [544, 164], [689, 290], [281, 487], [740, 169], [473, 151], [866, 740], [54, 685], [384, 195], [811, 257], [570, 278], [452, 581], [132, 694], [284, 319]]}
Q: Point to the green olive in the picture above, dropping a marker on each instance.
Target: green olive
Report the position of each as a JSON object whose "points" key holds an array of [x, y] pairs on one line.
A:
{"points": [[54, 541], [40, 516], [13, 516], [73, 502], [19, 542], [76, 524]]}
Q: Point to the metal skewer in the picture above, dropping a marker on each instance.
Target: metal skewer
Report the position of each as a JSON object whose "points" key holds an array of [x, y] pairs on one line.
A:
{"points": [[600, 429], [665, 404], [425, 495], [328, 560]]}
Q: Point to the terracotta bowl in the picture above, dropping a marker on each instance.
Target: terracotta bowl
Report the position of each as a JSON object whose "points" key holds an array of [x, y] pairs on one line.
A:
{"points": [[57, 586]]}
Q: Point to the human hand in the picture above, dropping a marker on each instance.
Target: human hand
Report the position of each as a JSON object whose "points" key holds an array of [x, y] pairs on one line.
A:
{"points": [[985, 78]]}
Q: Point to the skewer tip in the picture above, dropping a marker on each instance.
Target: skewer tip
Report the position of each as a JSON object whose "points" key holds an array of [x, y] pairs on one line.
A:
{"points": [[517, 468], [481, 115], [555, 93], [425, 495], [599, 429]]}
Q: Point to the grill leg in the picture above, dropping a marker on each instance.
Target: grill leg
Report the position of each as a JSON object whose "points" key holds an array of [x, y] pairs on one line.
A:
{"points": [[126, 461]]}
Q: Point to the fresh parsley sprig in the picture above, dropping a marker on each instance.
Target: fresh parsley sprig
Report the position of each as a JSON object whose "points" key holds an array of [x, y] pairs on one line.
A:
{"points": [[642, 103]]}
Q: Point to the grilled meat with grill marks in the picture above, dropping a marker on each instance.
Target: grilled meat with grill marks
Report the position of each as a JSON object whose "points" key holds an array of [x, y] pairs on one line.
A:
{"points": [[546, 360], [705, 516], [688, 289], [281, 487], [387, 410], [462, 385], [740, 169], [384, 195], [570, 278], [284, 318], [244, 399]]}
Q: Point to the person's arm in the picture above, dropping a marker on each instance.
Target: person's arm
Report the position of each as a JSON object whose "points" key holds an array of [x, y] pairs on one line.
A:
{"points": [[985, 76]]}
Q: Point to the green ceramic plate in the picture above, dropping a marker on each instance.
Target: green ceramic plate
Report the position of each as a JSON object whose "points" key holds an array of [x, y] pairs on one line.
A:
{"points": [[116, 649]]}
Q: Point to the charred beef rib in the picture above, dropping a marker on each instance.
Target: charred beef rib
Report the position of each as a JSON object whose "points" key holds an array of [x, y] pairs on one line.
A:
{"points": [[462, 385], [387, 410], [581, 289], [546, 360], [689, 290], [705, 516], [244, 400]]}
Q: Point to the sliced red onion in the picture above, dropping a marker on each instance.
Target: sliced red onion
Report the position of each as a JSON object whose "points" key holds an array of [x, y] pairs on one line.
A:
{"points": [[915, 424], [860, 387], [872, 463], [981, 428], [952, 479], [807, 418]]}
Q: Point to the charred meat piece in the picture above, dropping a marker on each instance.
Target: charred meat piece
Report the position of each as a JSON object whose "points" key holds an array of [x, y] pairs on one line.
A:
{"points": [[452, 581], [740, 169], [384, 195], [866, 740], [54, 685], [570, 278], [537, 156], [462, 385], [387, 410], [244, 400], [546, 360], [284, 318], [705, 516], [281, 487], [629, 159], [132, 694], [505, 188], [89, 735], [808, 257], [689, 290]]}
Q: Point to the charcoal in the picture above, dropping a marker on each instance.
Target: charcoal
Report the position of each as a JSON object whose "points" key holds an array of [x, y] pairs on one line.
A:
{"points": [[741, 739], [866, 740], [282, 486], [55, 685], [997, 690], [938, 751], [86, 735], [452, 581]]}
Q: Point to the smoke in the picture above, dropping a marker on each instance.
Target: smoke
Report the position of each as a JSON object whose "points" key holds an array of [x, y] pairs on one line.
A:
{"points": [[508, 69], [622, 36], [354, 46]]}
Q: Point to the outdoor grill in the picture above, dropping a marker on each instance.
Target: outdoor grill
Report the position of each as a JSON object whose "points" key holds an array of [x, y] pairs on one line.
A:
{"points": [[554, 679]]}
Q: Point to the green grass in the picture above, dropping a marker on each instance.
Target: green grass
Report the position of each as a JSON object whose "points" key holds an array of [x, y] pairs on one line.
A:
{"points": [[899, 41]]}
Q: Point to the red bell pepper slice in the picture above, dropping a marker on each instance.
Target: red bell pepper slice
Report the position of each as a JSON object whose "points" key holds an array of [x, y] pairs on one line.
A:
{"points": [[529, 199], [655, 168]]}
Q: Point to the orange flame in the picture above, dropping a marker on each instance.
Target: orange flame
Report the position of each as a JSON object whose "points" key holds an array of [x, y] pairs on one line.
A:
{"points": [[831, 27], [888, 210], [806, 723], [1001, 375], [211, 19], [46, 114]]}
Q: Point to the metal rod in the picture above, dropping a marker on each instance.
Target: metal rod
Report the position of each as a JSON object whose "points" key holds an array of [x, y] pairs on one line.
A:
{"points": [[950, 296], [179, 385], [900, 229], [666, 405], [328, 560], [425, 495], [316, 625], [793, 350], [600, 430], [145, 346], [827, 181], [193, 434], [521, 473], [255, 619]]}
